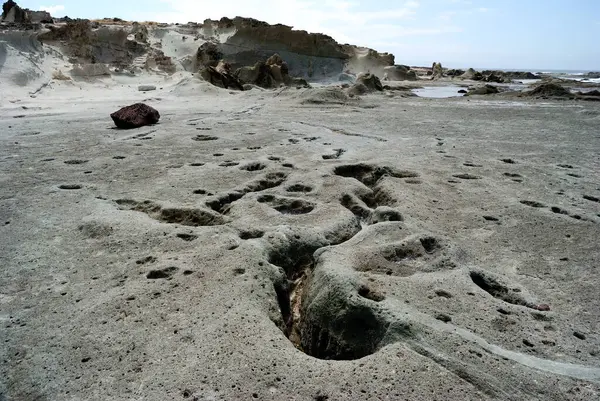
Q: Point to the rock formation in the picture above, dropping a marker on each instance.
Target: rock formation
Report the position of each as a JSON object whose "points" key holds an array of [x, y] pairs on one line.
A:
{"points": [[399, 73], [140, 32], [455, 73], [86, 44], [483, 90], [549, 90], [437, 71], [472, 74], [135, 116], [221, 76], [365, 83], [11, 12], [157, 60], [308, 55], [208, 55]]}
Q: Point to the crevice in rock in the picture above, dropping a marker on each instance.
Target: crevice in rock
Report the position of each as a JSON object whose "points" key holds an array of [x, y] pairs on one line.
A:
{"points": [[222, 202], [499, 290], [297, 262], [371, 174], [184, 216], [343, 328]]}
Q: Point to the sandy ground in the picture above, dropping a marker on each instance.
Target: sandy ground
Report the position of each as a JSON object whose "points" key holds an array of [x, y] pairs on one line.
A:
{"points": [[155, 263]]}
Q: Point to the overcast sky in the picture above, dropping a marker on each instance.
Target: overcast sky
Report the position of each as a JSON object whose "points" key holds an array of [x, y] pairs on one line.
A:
{"points": [[518, 34]]}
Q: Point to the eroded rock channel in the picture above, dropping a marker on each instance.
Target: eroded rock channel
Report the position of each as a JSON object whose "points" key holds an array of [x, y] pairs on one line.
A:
{"points": [[325, 323]]}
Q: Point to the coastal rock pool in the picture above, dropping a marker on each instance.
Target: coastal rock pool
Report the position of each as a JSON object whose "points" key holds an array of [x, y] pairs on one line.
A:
{"points": [[439, 92]]}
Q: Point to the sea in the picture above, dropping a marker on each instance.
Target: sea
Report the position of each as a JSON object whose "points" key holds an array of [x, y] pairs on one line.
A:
{"points": [[517, 85]]}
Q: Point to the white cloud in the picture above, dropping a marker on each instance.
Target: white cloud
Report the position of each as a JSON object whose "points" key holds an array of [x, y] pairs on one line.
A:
{"points": [[447, 15], [52, 9]]}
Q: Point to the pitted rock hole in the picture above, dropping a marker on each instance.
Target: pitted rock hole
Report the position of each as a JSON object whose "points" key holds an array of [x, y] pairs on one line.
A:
{"points": [[183, 216], [370, 174], [287, 205]]}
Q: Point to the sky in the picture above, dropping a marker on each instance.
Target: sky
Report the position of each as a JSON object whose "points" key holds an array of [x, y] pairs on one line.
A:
{"points": [[505, 34]]}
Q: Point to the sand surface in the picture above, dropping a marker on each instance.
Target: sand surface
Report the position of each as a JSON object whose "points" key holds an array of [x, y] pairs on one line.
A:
{"points": [[256, 245]]}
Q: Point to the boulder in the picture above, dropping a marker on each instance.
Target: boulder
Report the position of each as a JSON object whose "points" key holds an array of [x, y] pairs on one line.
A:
{"points": [[494, 78], [592, 75], [358, 89], [455, 73], [549, 90], [594, 92], [221, 79], [437, 71], [260, 75], [472, 75], [483, 90], [275, 59], [399, 73], [366, 83], [135, 116]]}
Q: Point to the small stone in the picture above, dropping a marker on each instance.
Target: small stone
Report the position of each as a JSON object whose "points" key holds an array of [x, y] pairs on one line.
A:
{"points": [[528, 343], [146, 88], [543, 307], [443, 317], [579, 335]]}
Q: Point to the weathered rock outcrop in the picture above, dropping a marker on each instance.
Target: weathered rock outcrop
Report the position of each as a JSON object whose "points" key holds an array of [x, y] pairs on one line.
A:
{"points": [[11, 12], [208, 55], [308, 55], [549, 90], [270, 74], [85, 44], [140, 32], [494, 76], [221, 76], [437, 71], [483, 90], [135, 116], [472, 74], [455, 73], [365, 83], [399, 73], [156, 59]]}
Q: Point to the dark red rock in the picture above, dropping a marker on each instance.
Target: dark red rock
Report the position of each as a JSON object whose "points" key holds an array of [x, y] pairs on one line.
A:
{"points": [[135, 116], [543, 307]]}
